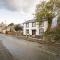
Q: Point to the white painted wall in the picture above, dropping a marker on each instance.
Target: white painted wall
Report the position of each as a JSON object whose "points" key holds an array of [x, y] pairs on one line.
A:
{"points": [[24, 29], [30, 28], [45, 25], [36, 28], [54, 22]]}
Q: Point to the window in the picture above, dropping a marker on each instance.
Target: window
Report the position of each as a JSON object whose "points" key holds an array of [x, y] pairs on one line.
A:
{"points": [[27, 24], [41, 25], [41, 31], [33, 24], [27, 31]]}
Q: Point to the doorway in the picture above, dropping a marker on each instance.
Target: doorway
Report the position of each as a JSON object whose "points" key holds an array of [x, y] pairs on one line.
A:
{"points": [[33, 32]]}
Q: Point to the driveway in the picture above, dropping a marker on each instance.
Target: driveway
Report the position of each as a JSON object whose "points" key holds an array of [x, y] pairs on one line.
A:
{"points": [[19, 49]]}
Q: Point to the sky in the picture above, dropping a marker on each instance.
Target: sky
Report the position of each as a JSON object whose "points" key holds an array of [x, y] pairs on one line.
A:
{"points": [[17, 11]]}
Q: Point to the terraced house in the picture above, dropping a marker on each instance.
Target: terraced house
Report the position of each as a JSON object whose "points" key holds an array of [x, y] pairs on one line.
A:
{"points": [[32, 27]]}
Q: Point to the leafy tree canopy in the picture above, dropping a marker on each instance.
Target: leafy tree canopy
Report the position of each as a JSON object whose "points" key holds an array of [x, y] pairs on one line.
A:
{"points": [[47, 11], [11, 24], [44, 11], [18, 27]]}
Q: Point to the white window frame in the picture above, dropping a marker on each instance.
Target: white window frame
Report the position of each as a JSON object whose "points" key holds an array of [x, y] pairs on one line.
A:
{"points": [[27, 25], [33, 24]]}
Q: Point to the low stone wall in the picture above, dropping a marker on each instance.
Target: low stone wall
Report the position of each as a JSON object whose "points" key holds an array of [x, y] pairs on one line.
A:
{"points": [[11, 33], [31, 39]]}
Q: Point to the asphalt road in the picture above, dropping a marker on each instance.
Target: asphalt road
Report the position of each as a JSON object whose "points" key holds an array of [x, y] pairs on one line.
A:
{"points": [[18, 49]]}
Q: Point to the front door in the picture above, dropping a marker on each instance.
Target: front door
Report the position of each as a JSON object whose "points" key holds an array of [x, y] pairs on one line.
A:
{"points": [[33, 32]]}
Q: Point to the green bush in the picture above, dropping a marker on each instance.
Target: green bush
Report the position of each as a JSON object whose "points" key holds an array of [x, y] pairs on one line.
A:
{"points": [[53, 34]]}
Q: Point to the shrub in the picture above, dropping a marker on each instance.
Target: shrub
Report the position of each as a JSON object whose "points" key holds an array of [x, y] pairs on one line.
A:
{"points": [[53, 34]]}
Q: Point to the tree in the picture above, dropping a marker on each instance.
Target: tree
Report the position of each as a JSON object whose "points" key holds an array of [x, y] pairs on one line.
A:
{"points": [[46, 10], [49, 10], [18, 27], [11, 24]]}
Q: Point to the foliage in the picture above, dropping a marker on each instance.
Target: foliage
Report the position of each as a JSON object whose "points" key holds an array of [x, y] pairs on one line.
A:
{"points": [[18, 27], [56, 3], [53, 35], [44, 11], [58, 20], [11, 24]]}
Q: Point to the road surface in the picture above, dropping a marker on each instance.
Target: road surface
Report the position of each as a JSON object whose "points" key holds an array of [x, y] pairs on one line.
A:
{"points": [[12, 48]]}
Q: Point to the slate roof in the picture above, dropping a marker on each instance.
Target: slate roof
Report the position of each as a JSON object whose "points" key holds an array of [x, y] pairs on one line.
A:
{"points": [[29, 21]]}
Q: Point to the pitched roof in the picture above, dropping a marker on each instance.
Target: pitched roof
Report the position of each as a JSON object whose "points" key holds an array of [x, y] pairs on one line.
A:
{"points": [[29, 21]]}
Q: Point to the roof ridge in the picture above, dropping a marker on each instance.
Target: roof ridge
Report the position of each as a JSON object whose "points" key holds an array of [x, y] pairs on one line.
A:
{"points": [[29, 21]]}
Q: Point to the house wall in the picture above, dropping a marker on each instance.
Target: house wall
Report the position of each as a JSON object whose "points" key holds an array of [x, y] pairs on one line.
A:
{"points": [[30, 28], [45, 25], [0, 29], [4, 31], [24, 29], [37, 28]]}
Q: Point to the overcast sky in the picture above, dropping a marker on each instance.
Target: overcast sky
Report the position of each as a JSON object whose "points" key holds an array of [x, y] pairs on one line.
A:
{"points": [[17, 11]]}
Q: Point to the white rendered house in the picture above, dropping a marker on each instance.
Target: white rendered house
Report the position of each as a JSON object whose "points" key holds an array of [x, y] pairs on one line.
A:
{"points": [[32, 27]]}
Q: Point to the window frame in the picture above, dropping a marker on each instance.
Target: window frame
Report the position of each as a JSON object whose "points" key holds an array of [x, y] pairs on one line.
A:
{"points": [[41, 31], [33, 24], [41, 25], [27, 25], [27, 31]]}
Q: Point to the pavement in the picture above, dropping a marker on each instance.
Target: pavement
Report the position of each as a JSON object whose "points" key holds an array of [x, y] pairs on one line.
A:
{"points": [[12, 48]]}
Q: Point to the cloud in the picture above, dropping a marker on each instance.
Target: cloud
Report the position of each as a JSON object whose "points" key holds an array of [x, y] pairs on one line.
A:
{"points": [[2, 4], [7, 4], [17, 10], [17, 5]]}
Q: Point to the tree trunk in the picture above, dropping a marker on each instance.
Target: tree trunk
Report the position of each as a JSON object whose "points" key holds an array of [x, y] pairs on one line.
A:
{"points": [[49, 25]]}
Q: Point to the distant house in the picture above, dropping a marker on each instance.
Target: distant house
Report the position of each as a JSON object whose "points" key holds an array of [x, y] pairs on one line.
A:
{"points": [[2, 27], [10, 28], [32, 27], [5, 29]]}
